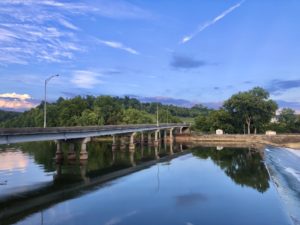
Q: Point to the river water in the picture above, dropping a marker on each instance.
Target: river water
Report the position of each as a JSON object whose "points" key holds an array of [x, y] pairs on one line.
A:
{"points": [[153, 185]]}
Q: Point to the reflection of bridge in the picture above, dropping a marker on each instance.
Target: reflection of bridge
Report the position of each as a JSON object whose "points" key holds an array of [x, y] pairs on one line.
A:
{"points": [[23, 204], [84, 134]]}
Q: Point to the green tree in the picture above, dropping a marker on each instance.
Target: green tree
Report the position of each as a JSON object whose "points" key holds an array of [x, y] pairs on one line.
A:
{"points": [[134, 116], [251, 108]]}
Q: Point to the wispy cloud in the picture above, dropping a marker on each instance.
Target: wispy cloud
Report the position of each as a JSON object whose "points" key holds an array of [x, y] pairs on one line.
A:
{"points": [[118, 45], [32, 30], [210, 23], [86, 79], [46, 30]]}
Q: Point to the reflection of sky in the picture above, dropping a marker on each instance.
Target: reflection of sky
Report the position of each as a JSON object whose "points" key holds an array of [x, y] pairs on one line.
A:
{"points": [[13, 160], [189, 191], [18, 171]]}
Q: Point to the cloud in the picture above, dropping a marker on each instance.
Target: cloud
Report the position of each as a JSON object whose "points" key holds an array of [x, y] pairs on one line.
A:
{"points": [[32, 30], [17, 102], [202, 27], [277, 86], [186, 62], [43, 30], [86, 79], [289, 104], [118, 45], [15, 96], [119, 9]]}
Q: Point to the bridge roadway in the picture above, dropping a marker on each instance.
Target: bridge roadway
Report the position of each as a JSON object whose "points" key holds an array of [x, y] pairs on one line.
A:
{"points": [[17, 135]]}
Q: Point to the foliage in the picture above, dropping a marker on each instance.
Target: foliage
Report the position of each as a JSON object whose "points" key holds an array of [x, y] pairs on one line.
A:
{"points": [[101, 110], [218, 119], [6, 115], [251, 108], [287, 122], [134, 116]]}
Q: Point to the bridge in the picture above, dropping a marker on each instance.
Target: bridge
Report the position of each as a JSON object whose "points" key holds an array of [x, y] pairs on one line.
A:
{"points": [[84, 135]]}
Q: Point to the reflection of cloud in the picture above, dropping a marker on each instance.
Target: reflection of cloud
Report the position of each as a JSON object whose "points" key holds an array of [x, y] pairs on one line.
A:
{"points": [[13, 161], [190, 199], [119, 219]]}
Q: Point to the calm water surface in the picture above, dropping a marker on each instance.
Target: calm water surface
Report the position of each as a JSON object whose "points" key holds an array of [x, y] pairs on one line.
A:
{"points": [[195, 186]]}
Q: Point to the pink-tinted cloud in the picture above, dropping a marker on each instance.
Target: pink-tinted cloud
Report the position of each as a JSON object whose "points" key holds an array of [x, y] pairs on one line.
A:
{"points": [[14, 101]]}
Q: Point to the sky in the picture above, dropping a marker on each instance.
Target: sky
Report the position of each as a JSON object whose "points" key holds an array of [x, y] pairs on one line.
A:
{"points": [[173, 51]]}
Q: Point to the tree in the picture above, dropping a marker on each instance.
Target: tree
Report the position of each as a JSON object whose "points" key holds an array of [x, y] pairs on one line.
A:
{"points": [[134, 116], [288, 117], [217, 119], [251, 108]]}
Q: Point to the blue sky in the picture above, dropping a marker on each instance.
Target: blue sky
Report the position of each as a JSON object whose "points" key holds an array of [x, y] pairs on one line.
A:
{"points": [[201, 51]]}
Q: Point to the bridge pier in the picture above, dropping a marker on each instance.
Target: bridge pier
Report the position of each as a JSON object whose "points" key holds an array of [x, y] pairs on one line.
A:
{"points": [[71, 152], [114, 142], [165, 136], [180, 130], [142, 138], [149, 138], [132, 142], [122, 142], [171, 135], [83, 152], [156, 137], [59, 155]]}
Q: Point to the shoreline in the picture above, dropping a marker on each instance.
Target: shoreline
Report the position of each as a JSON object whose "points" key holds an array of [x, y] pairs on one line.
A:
{"points": [[281, 140]]}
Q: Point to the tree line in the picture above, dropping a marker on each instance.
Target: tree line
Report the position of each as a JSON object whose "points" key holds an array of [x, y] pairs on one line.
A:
{"points": [[101, 110], [249, 112]]}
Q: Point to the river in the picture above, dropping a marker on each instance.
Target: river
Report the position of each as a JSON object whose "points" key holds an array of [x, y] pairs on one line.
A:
{"points": [[174, 184]]}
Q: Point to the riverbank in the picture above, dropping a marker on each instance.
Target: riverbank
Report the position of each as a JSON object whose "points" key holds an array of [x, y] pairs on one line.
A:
{"points": [[282, 140]]}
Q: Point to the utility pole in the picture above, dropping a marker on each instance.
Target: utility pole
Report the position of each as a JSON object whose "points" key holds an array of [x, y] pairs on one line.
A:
{"points": [[157, 124], [45, 98]]}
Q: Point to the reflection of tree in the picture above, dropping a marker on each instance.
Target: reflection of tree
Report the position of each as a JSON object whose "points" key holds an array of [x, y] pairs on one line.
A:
{"points": [[42, 152], [243, 166]]}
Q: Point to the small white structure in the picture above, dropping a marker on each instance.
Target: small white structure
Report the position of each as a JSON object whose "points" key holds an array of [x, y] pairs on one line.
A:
{"points": [[219, 132], [219, 148], [270, 133]]}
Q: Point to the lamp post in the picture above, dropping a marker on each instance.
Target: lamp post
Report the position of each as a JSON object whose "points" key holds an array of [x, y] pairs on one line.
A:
{"points": [[45, 99], [157, 123]]}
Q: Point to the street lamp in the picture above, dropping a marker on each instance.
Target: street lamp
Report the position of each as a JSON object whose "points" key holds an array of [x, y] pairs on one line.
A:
{"points": [[45, 98], [157, 123]]}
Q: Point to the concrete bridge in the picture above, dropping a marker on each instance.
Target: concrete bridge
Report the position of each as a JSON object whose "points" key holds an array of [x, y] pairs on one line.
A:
{"points": [[120, 135]]}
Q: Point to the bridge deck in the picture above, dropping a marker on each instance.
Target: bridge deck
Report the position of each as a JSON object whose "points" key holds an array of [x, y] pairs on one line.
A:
{"points": [[16, 135]]}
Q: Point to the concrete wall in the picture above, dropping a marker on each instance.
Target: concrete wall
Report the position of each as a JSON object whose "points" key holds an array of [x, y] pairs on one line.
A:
{"points": [[292, 141]]}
